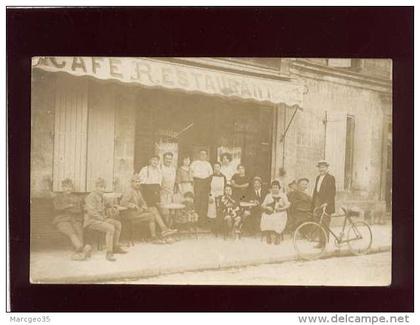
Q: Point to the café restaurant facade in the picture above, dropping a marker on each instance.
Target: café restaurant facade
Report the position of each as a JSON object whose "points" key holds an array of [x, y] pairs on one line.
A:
{"points": [[104, 117]]}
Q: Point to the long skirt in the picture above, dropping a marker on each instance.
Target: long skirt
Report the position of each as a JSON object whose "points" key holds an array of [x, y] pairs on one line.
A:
{"points": [[274, 222]]}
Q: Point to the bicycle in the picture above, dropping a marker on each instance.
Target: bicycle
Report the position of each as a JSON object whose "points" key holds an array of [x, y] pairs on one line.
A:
{"points": [[310, 238]]}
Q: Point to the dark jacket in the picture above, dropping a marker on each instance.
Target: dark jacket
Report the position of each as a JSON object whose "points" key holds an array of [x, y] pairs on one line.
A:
{"points": [[326, 193], [252, 196]]}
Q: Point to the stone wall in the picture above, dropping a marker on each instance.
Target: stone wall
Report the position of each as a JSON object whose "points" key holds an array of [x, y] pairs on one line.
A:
{"points": [[42, 133], [306, 137]]}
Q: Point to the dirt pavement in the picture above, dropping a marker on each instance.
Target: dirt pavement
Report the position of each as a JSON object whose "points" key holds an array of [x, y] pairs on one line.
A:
{"points": [[367, 270], [147, 260]]}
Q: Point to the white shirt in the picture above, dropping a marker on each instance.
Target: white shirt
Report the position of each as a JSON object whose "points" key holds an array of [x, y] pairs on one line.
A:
{"points": [[150, 175], [318, 186], [201, 169], [228, 171]]}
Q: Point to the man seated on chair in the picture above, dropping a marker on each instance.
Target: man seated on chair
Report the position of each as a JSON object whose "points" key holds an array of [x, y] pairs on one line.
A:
{"points": [[256, 194], [97, 218], [301, 204], [69, 219], [138, 211]]}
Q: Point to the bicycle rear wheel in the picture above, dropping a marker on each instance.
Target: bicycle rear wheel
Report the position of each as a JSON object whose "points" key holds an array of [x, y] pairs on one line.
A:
{"points": [[359, 237], [310, 240]]}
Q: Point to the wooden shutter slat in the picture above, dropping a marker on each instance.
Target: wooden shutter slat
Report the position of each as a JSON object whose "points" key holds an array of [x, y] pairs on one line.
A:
{"points": [[335, 145], [70, 139]]}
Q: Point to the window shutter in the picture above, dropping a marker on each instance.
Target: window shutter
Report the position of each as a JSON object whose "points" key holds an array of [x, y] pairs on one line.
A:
{"points": [[70, 133], [335, 145], [101, 133]]}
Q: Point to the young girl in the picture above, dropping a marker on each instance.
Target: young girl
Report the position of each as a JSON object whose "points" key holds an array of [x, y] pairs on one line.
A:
{"points": [[274, 217], [230, 212]]}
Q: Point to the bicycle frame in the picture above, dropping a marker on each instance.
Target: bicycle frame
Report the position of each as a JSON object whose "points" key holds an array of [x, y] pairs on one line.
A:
{"points": [[339, 238]]}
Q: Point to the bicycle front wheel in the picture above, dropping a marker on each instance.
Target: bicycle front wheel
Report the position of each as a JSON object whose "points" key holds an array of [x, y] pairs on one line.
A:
{"points": [[359, 237], [310, 240]]}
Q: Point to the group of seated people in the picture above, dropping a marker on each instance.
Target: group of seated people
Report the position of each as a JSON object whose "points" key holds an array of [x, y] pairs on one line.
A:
{"points": [[95, 214], [229, 206]]}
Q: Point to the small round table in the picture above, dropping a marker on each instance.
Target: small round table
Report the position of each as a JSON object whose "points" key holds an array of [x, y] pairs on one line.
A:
{"points": [[245, 212], [173, 208], [247, 205]]}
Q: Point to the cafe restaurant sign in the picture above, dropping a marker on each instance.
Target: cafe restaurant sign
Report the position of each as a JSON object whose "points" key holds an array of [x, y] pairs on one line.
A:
{"points": [[157, 73]]}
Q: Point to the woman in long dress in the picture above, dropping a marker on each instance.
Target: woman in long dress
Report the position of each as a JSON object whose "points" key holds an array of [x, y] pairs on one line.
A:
{"points": [[227, 166], [184, 179], [240, 183], [274, 217]]}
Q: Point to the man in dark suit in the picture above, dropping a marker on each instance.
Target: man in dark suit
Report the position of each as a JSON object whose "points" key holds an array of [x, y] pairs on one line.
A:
{"points": [[256, 193], [324, 193]]}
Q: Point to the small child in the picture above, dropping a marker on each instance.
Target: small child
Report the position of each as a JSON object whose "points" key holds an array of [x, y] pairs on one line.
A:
{"points": [[188, 216], [230, 212]]}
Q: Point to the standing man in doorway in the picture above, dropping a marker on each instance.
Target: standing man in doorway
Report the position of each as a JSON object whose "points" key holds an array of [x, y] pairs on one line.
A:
{"points": [[201, 171], [324, 193], [151, 179], [168, 184]]}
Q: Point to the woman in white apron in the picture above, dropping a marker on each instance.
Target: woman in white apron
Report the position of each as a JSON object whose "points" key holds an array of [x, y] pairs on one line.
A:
{"points": [[274, 217], [217, 187]]}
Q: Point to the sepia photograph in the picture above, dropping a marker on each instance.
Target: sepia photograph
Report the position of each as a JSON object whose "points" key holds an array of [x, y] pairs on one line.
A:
{"points": [[211, 171]]}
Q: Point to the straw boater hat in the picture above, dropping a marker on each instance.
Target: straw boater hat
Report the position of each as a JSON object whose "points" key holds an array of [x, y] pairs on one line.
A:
{"points": [[322, 162]]}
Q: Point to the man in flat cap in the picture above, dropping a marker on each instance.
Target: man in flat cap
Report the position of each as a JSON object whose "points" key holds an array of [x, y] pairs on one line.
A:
{"points": [[97, 219], [324, 192], [301, 204], [69, 219]]}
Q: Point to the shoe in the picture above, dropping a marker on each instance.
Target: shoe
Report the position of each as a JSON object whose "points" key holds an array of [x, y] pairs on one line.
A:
{"points": [[110, 257], [78, 257], [158, 241], [87, 250], [119, 250], [169, 232], [169, 240]]}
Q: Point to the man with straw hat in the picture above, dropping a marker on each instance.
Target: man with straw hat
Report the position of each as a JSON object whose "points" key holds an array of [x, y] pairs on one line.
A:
{"points": [[324, 193]]}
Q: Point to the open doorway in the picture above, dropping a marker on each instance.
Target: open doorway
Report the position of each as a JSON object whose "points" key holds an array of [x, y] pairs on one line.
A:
{"points": [[188, 123]]}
